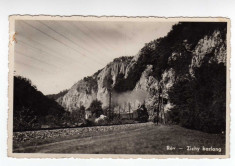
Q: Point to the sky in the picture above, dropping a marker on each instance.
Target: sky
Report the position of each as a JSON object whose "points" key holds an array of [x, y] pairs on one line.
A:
{"points": [[54, 55]]}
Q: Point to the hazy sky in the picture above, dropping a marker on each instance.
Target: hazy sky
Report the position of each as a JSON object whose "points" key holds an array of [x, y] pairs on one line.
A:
{"points": [[56, 54]]}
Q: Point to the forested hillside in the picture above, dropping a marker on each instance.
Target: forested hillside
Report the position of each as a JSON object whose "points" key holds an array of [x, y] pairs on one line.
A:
{"points": [[32, 109]]}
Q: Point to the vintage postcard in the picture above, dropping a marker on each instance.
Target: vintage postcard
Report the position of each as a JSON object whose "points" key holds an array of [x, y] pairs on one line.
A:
{"points": [[118, 87]]}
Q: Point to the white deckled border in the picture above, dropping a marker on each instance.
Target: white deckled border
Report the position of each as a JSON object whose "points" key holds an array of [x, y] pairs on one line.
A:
{"points": [[12, 20]]}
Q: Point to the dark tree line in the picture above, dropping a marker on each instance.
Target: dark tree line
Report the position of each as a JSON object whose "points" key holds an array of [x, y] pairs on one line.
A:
{"points": [[200, 101]]}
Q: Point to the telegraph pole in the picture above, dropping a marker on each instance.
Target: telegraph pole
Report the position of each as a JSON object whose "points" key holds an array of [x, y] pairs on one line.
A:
{"points": [[159, 102], [109, 87], [110, 96]]}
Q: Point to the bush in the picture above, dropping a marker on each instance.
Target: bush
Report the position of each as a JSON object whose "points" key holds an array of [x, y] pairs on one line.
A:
{"points": [[116, 120], [102, 122], [88, 123]]}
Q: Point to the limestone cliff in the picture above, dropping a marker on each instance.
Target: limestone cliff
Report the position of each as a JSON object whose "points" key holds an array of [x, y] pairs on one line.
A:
{"points": [[158, 65], [95, 86]]}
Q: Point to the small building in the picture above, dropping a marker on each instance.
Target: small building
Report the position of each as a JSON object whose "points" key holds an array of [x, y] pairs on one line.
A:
{"points": [[88, 114]]}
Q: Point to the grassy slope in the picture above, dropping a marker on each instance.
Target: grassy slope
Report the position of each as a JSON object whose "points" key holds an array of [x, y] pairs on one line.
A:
{"points": [[151, 139]]}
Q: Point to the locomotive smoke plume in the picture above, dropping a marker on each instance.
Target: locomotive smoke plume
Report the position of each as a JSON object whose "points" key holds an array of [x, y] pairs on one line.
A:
{"points": [[129, 97]]}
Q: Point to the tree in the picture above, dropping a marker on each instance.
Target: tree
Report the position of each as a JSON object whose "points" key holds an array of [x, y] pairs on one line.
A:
{"points": [[109, 85], [96, 108], [182, 96], [82, 111], [200, 101], [25, 119]]}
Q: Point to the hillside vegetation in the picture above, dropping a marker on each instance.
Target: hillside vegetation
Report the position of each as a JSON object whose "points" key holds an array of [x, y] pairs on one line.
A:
{"points": [[32, 109]]}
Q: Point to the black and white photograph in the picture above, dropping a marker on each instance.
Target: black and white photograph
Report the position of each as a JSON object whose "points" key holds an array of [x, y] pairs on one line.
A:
{"points": [[119, 86]]}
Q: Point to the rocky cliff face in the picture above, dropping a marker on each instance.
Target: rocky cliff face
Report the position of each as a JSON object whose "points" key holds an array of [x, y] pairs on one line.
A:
{"points": [[158, 65], [95, 87], [213, 45]]}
